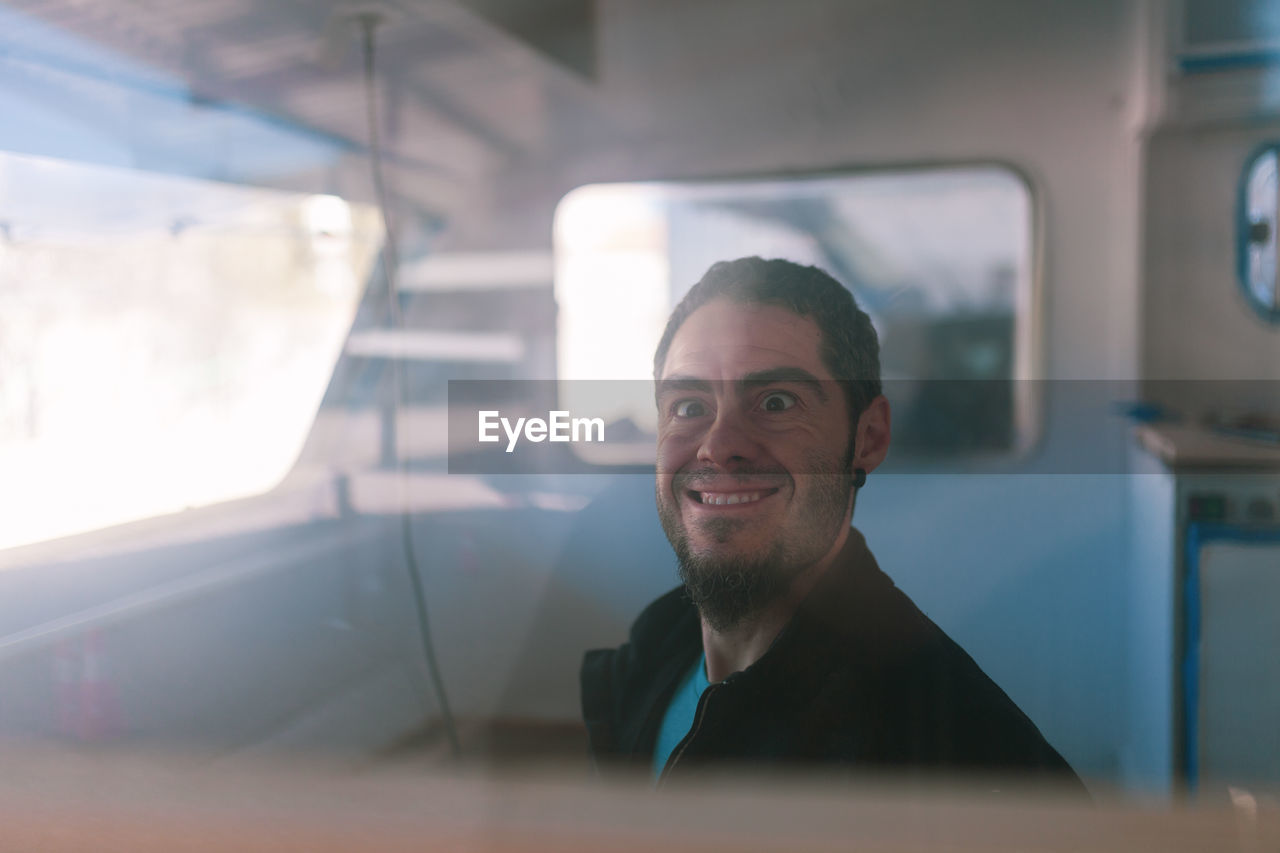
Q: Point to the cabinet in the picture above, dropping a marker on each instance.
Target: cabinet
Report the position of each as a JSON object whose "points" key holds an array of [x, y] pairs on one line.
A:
{"points": [[1206, 610]]}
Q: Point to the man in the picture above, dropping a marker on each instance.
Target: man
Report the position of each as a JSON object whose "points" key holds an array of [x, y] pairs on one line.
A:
{"points": [[786, 645]]}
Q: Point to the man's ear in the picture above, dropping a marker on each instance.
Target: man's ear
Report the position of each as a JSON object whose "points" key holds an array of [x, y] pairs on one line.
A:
{"points": [[871, 440]]}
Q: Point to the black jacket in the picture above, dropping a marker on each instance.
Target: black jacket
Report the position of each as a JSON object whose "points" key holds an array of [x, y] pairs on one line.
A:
{"points": [[860, 679]]}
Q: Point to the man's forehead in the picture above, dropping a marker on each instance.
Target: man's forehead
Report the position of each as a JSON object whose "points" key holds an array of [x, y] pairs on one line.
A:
{"points": [[727, 340]]}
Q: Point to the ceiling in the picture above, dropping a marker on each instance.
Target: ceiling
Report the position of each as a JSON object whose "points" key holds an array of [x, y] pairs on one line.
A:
{"points": [[466, 87]]}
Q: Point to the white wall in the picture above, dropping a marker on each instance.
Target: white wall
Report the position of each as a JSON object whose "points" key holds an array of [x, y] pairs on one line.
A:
{"points": [[1198, 325]]}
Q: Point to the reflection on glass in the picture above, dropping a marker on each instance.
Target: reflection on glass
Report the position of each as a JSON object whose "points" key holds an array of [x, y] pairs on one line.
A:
{"points": [[1259, 239], [940, 258], [164, 341]]}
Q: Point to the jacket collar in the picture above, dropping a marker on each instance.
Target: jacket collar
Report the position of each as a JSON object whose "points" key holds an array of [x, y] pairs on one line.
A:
{"points": [[848, 609], [844, 610]]}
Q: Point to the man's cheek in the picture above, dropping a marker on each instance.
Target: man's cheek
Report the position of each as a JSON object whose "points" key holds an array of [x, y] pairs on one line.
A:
{"points": [[666, 492]]}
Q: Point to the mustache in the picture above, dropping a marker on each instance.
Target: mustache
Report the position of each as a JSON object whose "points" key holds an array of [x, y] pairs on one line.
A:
{"points": [[708, 475]]}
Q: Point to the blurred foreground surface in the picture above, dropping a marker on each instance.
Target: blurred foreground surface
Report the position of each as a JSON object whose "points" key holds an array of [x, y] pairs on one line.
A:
{"points": [[59, 801]]}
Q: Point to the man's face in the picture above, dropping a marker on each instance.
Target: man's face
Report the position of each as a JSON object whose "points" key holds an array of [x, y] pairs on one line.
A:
{"points": [[753, 482]]}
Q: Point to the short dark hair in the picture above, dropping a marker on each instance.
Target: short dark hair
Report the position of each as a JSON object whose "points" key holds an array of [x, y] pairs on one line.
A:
{"points": [[849, 348]]}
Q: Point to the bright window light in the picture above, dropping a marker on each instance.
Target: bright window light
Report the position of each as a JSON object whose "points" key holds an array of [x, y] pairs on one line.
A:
{"points": [[164, 341], [941, 258]]}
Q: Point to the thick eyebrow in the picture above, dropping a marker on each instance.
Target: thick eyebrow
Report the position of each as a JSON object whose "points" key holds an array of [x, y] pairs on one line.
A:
{"points": [[774, 375], [771, 376], [676, 384]]}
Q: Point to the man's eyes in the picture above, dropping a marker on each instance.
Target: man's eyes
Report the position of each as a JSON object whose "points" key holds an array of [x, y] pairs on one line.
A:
{"points": [[777, 401], [688, 409], [774, 401]]}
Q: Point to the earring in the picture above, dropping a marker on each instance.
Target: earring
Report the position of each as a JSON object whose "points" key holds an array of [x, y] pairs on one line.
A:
{"points": [[859, 478]]}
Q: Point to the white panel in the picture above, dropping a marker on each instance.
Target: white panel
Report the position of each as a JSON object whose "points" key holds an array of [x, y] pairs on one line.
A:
{"points": [[1239, 732]]}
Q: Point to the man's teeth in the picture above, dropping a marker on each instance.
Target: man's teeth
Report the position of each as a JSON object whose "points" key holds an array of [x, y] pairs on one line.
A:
{"points": [[722, 499]]}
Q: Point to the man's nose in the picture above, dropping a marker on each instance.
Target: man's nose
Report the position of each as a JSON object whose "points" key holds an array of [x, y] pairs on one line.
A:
{"points": [[728, 439]]}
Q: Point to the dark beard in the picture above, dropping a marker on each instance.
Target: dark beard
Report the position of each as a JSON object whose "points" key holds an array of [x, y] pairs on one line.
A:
{"points": [[732, 590]]}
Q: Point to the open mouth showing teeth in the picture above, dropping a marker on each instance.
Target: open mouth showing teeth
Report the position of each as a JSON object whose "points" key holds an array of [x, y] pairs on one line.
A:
{"points": [[730, 498]]}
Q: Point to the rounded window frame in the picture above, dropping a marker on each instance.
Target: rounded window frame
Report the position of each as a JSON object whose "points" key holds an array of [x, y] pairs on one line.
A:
{"points": [[1268, 314]]}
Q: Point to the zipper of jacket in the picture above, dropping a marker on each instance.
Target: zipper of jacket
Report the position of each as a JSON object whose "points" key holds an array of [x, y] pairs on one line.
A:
{"points": [[698, 717]]}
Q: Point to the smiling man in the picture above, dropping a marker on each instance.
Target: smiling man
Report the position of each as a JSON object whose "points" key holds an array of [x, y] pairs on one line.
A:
{"points": [[786, 645]]}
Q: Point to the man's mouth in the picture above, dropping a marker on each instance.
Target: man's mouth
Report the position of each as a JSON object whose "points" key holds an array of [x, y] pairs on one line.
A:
{"points": [[735, 498]]}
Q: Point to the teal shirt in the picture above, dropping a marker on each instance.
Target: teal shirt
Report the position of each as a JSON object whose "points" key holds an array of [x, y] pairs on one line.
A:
{"points": [[680, 713]]}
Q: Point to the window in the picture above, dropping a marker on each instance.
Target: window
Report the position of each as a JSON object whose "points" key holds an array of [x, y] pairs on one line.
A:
{"points": [[164, 341], [941, 258], [1257, 235]]}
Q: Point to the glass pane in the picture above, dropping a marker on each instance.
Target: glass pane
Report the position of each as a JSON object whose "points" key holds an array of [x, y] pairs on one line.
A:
{"points": [[164, 341], [1260, 236], [940, 258]]}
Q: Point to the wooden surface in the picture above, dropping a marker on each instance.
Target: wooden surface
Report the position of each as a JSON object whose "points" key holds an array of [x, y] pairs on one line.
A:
{"points": [[1189, 447], [51, 802]]}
